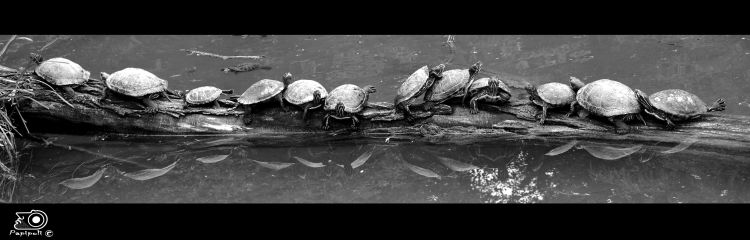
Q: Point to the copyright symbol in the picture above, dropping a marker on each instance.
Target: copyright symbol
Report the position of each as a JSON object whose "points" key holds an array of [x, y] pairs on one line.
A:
{"points": [[48, 233]]}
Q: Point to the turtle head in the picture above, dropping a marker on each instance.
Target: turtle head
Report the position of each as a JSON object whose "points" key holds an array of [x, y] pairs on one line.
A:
{"points": [[642, 98], [104, 75], [340, 109], [437, 71], [36, 58], [494, 84], [474, 69], [316, 97], [370, 89], [576, 83], [286, 79]]}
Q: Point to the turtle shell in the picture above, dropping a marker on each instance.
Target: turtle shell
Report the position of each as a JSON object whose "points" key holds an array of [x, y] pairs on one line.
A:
{"points": [[485, 82], [556, 94], [351, 95], [413, 84], [61, 72], [678, 102], [260, 91], [135, 82], [452, 82], [202, 95], [608, 98], [301, 91]]}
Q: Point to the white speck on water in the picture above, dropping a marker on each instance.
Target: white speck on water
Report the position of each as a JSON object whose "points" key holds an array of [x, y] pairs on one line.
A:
{"points": [[696, 177]]}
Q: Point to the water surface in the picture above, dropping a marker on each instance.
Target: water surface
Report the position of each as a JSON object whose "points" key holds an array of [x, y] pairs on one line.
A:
{"points": [[509, 171]]}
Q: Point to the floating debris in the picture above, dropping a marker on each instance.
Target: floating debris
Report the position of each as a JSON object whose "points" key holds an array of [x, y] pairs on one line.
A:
{"points": [[562, 149], [147, 174], [682, 146], [456, 165], [200, 53], [212, 159], [609, 153], [274, 165], [308, 163], [362, 159], [245, 67], [84, 182], [174, 76], [25, 38]]}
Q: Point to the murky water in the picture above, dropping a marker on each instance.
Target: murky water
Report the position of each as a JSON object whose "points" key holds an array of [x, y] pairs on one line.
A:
{"points": [[506, 171]]}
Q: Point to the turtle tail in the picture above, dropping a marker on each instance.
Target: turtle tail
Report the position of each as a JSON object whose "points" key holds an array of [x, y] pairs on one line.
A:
{"points": [[719, 105]]}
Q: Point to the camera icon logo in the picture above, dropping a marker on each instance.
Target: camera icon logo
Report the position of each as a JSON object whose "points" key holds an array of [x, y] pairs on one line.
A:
{"points": [[33, 220]]}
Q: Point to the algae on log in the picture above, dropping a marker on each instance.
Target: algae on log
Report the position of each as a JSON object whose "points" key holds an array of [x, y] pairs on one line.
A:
{"points": [[512, 121]]}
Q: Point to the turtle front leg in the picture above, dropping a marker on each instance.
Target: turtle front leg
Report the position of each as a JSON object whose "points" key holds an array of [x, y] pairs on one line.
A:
{"points": [[280, 97], [620, 126], [355, 122], [151, 106], [70, 93], [216, 105], [247, 117], [305, 110], [545, 106], [670, 125], [572, 109], [164, 94], [407, 112], [325, 121], [473, 104]]}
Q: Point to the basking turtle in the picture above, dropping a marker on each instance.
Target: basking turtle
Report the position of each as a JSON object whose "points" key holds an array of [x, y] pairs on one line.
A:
{"points": [[63, 73], [416, 85], [263, 90], [674, 105], [610, 99], [245, 67], [205, 95], [139, 84], [345, 102], [554, 95], [307, 94], [454, 83], [489, 90]]}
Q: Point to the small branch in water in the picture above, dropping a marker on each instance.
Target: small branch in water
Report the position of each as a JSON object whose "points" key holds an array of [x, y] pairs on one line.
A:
{"points": [[200, 53], [68, 147], [7, 44]]}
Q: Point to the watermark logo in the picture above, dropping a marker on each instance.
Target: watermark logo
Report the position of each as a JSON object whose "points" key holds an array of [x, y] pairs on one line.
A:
{"points": [[31, 224]]}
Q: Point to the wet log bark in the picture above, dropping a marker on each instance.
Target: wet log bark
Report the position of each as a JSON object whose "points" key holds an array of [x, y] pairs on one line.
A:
{"points": [[726, 135]]}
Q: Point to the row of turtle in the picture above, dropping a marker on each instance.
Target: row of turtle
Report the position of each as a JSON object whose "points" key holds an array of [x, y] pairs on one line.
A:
{"points": [[604, 98]]}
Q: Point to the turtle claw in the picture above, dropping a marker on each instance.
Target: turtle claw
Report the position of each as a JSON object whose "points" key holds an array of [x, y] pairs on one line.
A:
{"points": [[473, 111], [150, 110]]}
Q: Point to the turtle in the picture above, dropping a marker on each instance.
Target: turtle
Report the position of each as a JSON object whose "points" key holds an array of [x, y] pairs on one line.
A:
{"points": [[346, 102], [610, 99], [63, 73], [245, 67], [674, 105], [454, 83], [307, 94], [488, 90], [139, 84], [414, 86], [554, 95], [205, 95], [263, 90]]}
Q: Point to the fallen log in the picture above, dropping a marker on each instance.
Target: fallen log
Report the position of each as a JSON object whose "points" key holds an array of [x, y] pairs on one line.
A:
{"points": [[722, 134]]}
